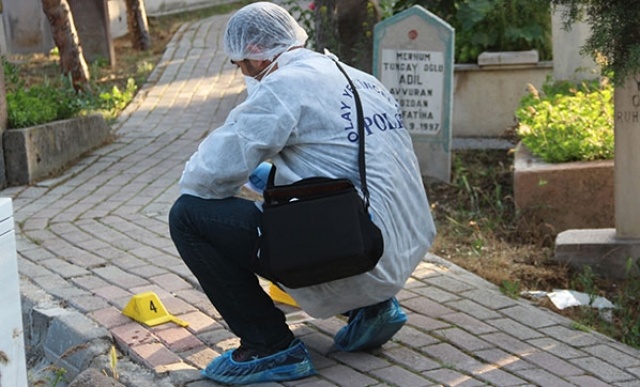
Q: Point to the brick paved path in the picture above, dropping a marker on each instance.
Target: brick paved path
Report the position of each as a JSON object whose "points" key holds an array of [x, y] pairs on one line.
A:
{"points": [[96, 236]]}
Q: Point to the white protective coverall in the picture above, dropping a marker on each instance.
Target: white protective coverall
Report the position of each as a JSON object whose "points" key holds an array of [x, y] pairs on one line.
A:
{"points": [[303, 118]]}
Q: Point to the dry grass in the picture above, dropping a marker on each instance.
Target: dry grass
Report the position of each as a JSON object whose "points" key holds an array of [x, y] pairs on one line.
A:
{"points": [[479, 229]]}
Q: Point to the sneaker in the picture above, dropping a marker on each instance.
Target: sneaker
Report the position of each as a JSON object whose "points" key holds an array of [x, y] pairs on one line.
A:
{"points": [[246, 366], [371, 326]]}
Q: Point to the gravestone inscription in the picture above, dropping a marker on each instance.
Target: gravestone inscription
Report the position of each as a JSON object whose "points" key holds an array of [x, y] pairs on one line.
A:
{"points": [[413, 58]]}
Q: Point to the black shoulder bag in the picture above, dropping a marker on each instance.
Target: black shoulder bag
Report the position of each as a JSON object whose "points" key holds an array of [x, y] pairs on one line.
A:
{"points": [[318, 229]]}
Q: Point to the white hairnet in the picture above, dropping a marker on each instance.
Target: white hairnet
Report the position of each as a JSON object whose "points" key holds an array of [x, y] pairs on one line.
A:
{"points": [[260, 31]]}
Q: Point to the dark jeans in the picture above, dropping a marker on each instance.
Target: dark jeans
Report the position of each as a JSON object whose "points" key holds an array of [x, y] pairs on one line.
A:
{"points": [[217, 240]]}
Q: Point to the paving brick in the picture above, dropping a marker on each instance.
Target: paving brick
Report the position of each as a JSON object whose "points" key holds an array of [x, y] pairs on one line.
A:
{"points": [[330, 326], [515, 329], [178, 339], [571, 337], [87, 303], [425, 270], [553, 364], [109, 317], [473, 309], [119, 277], [426, 307], [216, 336], [154, 355], [63, 268], [453, 378], [436, 294], [32, 270], [199, 322], [199, 357], [557, 348], [510, 344], [129, 263], [450, 284], [360, 361], [346, 376], [462, 339], [587, 381], [488, 298], [425, 323], [35, 254], [176, 306], [468, 323], [535, 318], [602, 370], [450, 356], [613, 356], [496, 376], [543, 378], [89, 282], [414, 338], [504, 360], [170, 282], [414, 361], [132, 334], [148, 271], [111, 292], [320, 343], [395, 375]]}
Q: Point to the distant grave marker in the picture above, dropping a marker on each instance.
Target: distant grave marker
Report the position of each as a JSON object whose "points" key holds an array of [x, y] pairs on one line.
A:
{"points": [[91, 18], [627, 158], [413, 58], [27, 29]]}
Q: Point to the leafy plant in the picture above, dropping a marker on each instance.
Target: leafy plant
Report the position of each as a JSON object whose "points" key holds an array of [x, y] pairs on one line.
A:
{"points": [[493, 25], [567, 122], [510, 288], [55, 99]]}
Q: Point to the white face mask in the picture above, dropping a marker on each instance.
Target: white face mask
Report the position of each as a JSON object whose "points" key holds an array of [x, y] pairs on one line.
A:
{"points": [[251, 83]]}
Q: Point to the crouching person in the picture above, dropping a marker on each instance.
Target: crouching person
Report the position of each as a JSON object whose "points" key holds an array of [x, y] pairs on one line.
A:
{"points": [[300, 115]]}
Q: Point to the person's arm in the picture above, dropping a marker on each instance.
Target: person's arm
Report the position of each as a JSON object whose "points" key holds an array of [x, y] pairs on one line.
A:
{"points": [[254, 131]]}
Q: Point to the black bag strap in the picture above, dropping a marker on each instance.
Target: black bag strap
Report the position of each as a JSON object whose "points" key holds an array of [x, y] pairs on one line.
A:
{"points": [[361, 155]]}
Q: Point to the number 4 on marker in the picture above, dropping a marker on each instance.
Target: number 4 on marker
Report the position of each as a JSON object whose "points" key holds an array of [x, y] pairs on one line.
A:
{"points": [[152, 307]]}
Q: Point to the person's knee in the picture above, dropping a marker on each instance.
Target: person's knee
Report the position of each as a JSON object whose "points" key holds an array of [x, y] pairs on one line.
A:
{"points": [[178, 211]]}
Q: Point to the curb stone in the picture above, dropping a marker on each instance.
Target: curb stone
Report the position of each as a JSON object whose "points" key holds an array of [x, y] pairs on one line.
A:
{"points": [[63, 338]]}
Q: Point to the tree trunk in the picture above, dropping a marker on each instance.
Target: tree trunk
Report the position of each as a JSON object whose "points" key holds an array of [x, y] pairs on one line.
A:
{"points": [[66, 39], [345, 27], [137, 25]]}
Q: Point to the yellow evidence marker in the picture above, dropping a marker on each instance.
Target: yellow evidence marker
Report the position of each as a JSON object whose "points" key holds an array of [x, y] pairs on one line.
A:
{"points": [[281, 296], [148, 309]]}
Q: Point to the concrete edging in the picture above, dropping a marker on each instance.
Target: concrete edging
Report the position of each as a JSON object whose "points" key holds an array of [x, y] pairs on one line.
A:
{"points": [[43, 151]]}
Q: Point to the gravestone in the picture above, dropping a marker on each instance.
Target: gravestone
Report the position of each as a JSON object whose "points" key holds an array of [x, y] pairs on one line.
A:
{"points": [[91, 18], [627, 158], [413, 57], [608, 250], [26, 28], [568, 61]]}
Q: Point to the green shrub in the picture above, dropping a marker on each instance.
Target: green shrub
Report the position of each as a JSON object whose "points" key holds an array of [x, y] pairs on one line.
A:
{"points": [[40, 104], [566, 122], [492, 25], [56, 99]]}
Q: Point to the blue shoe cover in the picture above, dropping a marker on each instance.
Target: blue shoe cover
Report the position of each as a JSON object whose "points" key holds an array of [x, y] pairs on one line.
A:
{"points": [[289, 364], [371, 326]]}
